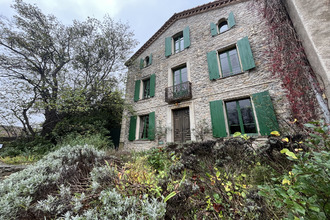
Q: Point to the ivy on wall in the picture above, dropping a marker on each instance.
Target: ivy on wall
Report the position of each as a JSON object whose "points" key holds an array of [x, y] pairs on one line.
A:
{"points": [[288, 61]]}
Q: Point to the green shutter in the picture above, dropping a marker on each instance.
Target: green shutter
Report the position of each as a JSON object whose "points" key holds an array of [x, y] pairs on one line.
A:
{"points": [[245, 54], [141, 63], [265, 113], [152, 85], [132, 127], [150, 59], [137, 90], [214, 30], [186, 37], [151, 128], [212, 62], [231, 20], [168, 46], [218, 119]]}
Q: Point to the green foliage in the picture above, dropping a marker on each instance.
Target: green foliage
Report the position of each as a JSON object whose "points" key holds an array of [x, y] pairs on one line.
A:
{"points": [[319, 136], [96, 140], [26, 147], [22, 189], [19, 159], [157, 159], [304, 191]]}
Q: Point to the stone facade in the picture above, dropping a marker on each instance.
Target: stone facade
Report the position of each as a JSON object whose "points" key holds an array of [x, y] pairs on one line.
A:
{"points": [[249, 23]]}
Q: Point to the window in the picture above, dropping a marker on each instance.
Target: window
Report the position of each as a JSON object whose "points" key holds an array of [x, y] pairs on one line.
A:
{"points": [[147, 61], [180, 79], [177, 42], [180, 76], [146, 127], [147, 90], [230, 62], [239, 116], [223, 25]]}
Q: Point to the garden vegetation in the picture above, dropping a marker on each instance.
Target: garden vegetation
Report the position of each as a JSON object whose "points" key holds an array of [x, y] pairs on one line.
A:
{"points": [[286, 178]]}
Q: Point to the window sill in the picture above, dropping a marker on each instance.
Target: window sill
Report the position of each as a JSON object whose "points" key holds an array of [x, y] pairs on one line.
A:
{"points": [[237, 74], [141, 100], [223, 32]]}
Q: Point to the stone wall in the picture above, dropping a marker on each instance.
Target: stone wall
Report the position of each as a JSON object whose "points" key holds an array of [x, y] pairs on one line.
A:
{"points": [[249, 23]]}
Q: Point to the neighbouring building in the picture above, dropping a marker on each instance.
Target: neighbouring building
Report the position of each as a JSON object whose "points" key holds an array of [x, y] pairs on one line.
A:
{"points": [[206, 67]]}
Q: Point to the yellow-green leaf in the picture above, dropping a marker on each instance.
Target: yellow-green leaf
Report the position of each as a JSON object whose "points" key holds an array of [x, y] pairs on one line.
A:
{"points": [[275, 133], [285, 181]]}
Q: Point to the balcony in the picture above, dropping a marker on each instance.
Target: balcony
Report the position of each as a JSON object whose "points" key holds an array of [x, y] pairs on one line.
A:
{"points": [[178, 93]]}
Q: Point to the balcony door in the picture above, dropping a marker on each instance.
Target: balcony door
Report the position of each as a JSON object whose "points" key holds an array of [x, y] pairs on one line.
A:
{"points": [[180, 77], [181, 125]]}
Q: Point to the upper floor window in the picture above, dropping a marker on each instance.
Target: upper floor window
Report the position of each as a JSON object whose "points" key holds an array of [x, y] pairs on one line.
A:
{"points": [[223, 25], [147, 89], [180, 75], [231, 61], [177, 42], [147, 61]]}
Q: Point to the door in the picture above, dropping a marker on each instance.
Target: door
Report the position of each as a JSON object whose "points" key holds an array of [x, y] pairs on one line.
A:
{"points": [[181, 125]]}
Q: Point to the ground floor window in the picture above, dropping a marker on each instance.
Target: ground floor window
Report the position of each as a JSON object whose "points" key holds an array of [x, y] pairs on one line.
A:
{"points": [[240, 116], [144, 125], [252, 115]]}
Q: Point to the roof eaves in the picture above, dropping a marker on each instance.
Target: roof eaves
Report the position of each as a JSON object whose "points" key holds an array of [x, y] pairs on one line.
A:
{"points": [[184, 14]]}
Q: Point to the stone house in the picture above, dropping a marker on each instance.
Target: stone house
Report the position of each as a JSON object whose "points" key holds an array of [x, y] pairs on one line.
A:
{"points": [[205, 69]]}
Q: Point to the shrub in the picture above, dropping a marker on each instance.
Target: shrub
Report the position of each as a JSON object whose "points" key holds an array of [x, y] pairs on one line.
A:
{"points": [[21, 191]]}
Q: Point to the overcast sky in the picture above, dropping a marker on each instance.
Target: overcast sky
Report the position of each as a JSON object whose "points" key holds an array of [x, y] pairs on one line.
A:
{"points": [[145, 17]]}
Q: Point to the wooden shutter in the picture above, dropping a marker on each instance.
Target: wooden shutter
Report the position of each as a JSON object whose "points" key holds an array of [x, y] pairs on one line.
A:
{"points": [[150, 59], [168, 46], [152, 85], [151, 128], [212, 62], [137, 90], [214, 29], [245, 54], [186, 37], [218, 119], [141, 63], [132, 128], [265, 113], [231, 20]]}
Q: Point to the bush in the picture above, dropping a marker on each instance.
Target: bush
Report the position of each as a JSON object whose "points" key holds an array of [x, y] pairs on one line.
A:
{"points": [[97, 140], [303, 191], [73, 183], [21, 191]]}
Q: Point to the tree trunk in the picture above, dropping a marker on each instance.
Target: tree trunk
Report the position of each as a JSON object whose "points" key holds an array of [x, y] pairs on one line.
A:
{"points": [[51, 119]]}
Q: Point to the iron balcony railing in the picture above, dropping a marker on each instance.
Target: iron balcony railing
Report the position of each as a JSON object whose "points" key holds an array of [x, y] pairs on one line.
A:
{"points": [[178, 92]]}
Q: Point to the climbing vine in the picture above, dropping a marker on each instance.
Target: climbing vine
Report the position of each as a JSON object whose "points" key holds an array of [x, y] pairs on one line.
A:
{"points": [[288, 61]]}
